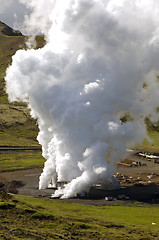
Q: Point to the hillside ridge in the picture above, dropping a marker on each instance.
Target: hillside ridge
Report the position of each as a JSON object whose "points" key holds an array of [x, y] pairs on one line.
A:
{"points": [[8, 31], [16, 125]]}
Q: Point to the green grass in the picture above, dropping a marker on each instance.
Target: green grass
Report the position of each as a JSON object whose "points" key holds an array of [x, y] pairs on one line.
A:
{"points": [[32, 218], [153, 144], [16, 126], [20, 160]]}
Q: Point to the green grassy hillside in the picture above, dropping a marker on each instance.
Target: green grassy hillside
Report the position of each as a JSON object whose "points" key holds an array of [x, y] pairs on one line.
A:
{"points": [[16, 126], [33, 218]]}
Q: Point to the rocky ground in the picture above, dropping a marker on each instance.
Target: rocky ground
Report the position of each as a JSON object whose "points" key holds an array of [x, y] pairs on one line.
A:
{"points": [[138, 175]]}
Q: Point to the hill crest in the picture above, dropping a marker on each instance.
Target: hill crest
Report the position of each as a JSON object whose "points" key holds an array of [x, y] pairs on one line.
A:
{"points": [[8, 31]]}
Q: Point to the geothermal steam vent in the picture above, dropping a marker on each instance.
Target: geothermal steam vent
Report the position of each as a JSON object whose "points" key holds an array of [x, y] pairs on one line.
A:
{"points": [[100, 63]]}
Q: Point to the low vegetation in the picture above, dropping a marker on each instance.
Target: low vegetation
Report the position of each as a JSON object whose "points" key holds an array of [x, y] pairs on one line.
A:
{"points": [[10, 161], [32, 218], [17, 128], [152, 144]]}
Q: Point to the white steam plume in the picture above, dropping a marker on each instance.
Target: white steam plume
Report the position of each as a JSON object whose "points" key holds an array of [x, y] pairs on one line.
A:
{"points": [[100, 63]]}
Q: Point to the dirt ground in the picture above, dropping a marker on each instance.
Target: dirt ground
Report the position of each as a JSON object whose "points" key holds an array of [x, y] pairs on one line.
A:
{"points": [[138, 176]]}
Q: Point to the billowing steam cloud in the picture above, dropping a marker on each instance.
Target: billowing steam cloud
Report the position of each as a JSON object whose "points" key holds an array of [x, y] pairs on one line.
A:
{"points": [[90, 87]]}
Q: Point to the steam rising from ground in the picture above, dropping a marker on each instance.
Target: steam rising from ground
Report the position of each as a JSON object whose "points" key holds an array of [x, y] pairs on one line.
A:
{"points": [[90, 87]]}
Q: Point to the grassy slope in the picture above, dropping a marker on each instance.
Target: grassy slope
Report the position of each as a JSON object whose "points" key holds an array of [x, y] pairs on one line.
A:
{"points": [[32, 218], [16, 126]]}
